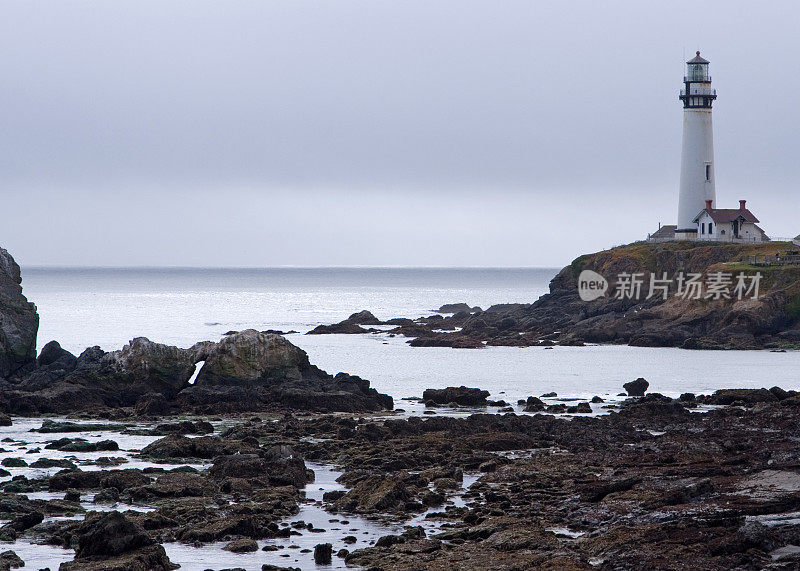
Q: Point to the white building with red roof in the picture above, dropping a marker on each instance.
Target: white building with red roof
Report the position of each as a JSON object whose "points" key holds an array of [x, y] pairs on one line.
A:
{"points": [[728, 224]]}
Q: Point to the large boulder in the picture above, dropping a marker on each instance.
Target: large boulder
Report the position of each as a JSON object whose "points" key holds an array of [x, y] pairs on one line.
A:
{"points": [[248, 356], [252, 370], [19, 321], [111, 542], [462, 395]]}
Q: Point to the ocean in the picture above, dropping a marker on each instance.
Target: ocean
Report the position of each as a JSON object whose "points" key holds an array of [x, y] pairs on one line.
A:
{"points": [[81, 307]]}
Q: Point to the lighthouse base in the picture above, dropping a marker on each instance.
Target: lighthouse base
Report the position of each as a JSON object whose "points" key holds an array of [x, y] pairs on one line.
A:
{"points": [[686, 234]]}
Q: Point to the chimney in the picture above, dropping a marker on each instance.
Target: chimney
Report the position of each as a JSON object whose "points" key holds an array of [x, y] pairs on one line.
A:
{"points": [[742, 205], [708, 204]]}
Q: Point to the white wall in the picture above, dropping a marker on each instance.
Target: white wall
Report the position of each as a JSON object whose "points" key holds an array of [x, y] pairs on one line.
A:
{"points": [[697, 151]]}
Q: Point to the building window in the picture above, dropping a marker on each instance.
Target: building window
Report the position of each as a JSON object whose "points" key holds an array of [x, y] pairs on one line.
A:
{"points": [[703, 228], [710, 224], [708, 172], [722, 232]]}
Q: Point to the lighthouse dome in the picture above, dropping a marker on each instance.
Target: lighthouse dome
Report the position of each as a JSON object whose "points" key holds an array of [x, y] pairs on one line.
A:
{"points": [[698, 59]]}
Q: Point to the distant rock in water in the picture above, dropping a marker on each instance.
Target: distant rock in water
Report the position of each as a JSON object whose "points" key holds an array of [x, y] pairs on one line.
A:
{"points": [[457, 307], [463, 396], [19, 321], [636, 388], [245, 371], [351, 325]]}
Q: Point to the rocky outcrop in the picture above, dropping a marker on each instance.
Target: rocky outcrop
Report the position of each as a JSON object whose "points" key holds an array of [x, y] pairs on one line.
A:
{"points": [[462, 395], [636, 388], [245, 371], [351, 325], [634, 316], [253, 371], [19, 321], [111, 542]]}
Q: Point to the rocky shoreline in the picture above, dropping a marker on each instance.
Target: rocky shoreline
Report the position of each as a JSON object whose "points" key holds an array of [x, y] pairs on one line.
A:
{"points": [[769, 321], [163, 456], [649, 483]]}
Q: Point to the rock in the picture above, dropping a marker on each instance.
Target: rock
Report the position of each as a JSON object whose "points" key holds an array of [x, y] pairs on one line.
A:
{"points": [[241, 546], [636, 388], [203, 447], [323, 553], [19, 322], [457, 307], [746, 397], [256, 371], [532, 404], [462, 396], [10, 560], [549, 395], [81, 445], [72, 496], [111, 541], [25, 521], [596, 400], [364, 318], [13, 463], [5, 420]]}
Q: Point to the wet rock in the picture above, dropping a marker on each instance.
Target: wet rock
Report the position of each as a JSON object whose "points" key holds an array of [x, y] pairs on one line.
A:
{"points": [[323, 553], [462, 396], [53, 463], [378, 494], [549, 395], [111, 541], [53, 426], [5, 420], [25, 521], [10, 560], [745, 397], [184, 427], [241, 546], [636, 388], [596, 399], [202, 447], [82, 445], [458, 307], [95, 479]]}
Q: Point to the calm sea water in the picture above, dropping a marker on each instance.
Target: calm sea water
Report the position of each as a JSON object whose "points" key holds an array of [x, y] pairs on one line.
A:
{"points": [[81, 307]]}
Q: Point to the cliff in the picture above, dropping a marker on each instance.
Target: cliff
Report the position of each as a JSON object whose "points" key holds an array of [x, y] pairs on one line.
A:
{"points": [[19, 321], [726, 312]]}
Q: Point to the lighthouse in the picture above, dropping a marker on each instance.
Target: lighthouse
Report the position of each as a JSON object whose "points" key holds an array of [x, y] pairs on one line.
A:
{"points": [[697, 154]]}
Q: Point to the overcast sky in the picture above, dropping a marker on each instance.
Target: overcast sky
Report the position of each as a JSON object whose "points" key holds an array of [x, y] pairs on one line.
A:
{"points": [[451, 132]]}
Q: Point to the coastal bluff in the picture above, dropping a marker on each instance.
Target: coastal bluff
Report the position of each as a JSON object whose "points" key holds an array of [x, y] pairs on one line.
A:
{"points": [[19, 321], [715, 316]]}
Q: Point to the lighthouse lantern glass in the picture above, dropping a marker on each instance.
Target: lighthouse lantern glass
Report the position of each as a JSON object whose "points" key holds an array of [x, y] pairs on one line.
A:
{"points": [[698, 72]]}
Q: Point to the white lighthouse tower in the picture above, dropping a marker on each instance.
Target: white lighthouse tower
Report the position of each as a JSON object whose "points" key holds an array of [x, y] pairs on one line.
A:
{"points": [[697, 155]]}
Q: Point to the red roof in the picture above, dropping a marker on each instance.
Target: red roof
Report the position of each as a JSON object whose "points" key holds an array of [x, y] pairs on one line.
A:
{"points": [[728, 215]]}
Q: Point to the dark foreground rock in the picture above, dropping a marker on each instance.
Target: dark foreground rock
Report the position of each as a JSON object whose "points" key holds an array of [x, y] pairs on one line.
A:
{"points": [[245, 371], [110, 542]]}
